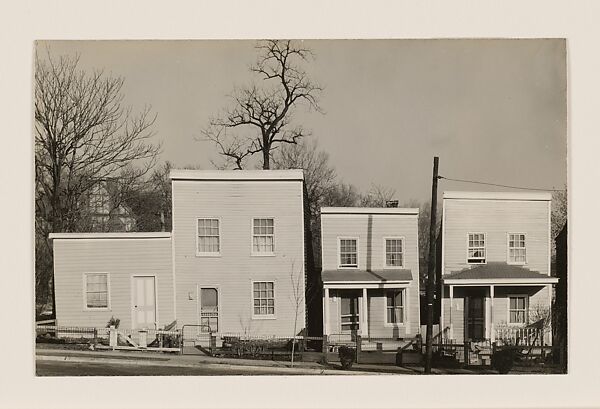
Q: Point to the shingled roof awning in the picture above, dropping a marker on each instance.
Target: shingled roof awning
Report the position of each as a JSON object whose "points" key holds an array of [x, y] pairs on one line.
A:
{"points": [[366, 277], [497, 273]]}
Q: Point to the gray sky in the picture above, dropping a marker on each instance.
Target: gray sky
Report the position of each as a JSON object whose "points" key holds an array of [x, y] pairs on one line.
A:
{"points": [[492, 110]]}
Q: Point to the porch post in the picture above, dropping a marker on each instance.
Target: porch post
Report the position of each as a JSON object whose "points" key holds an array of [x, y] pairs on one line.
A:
{"points": [[365, 314], [450, 309], [326, 312], [492, 332]]}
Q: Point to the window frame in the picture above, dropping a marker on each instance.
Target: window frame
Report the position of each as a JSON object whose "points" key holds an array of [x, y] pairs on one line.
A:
{"points": [[508, 309], [484, 249], [404, 292], [385, 239], [261, 253], [263, 316], [508, 248], [85, 292], [208, 253], [339, 253]]}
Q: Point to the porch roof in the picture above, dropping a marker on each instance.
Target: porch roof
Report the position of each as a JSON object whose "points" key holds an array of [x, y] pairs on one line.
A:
{"points": [[378, 276], [497, 273]]}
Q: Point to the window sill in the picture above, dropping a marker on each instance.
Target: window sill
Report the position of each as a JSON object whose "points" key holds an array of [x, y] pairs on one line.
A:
{"points": [[262, 254], [394, 325], [516, 263], [88, 309], [476, 263], [264, 317], [393, 267], [208, 254], [347, 267]]}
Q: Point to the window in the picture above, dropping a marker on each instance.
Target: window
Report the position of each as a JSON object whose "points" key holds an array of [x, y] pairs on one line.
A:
{"points": [[208, 236], [394, 307], [263, 236], [517, 309], [393, 253], [476, 251], [516, 248], [264, 298], [96, 290], [348, 253]]}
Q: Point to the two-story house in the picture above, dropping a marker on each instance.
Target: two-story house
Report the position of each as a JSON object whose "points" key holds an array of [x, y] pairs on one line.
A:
{"points": [[370, 272], [495, 262], [234, 261]]}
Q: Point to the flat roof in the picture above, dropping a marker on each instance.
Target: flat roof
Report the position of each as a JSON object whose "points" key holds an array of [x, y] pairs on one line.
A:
{"points": [[525, 195], [128, 235], [283, 174], [369, 210]]}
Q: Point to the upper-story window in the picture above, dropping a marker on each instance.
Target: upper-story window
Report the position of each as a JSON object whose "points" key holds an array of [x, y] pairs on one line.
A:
{"points": [[476, 248], [96, 291], [263, 236], [348, 250], [394, 252], [517, 253], [209, 240]]}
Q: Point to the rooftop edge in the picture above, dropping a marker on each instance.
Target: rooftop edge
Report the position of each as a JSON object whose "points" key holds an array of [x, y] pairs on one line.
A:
{"points": [[270, 174]]}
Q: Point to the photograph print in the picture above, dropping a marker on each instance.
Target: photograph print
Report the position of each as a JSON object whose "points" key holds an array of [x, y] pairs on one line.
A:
{"points": [[300, 207]]}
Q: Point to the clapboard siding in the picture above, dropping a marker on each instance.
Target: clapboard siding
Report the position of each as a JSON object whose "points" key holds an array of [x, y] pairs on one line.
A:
{"points": [[121, 258], [370, 230], [236, 203], [496, 218]]}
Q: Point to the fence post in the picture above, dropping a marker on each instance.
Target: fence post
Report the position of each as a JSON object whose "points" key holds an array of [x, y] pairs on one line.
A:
{"points": [[95, 336], [302, 345], [112, 336], [467, 352], [213, 343], [325, 347], [358, 347]]}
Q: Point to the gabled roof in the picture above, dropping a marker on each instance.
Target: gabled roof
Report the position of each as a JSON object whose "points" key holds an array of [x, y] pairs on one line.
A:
{"points": [[500, 271], [379, 276], [284, 174]]}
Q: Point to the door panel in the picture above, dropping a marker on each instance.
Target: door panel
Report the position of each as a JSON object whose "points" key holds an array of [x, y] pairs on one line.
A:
{"points": [[144, 302], [475, 318], [349, 312], [209, 309]]}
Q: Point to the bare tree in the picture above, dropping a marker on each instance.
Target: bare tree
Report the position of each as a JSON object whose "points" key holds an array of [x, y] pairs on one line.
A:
{"points": [[83, 134], [377, 196], [297, 299], [261, 116]]}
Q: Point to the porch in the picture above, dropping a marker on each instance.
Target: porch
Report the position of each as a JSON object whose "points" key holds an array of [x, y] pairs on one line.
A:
{"points": [[379, 307], [497, 303]]}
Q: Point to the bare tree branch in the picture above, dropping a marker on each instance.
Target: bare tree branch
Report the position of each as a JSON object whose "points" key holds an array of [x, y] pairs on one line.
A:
{"points": [[260, 117]]}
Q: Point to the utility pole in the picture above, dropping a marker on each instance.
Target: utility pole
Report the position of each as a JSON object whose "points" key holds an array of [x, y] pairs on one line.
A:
{"points": [[431, 268]]}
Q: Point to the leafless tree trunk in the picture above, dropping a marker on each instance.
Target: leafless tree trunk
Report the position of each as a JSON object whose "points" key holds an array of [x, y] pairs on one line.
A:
{"points": [[261, 116], [297, 299], [83, 134]]}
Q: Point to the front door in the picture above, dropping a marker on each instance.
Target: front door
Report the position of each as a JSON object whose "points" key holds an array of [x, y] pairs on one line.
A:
{"points": [[475, 318], [144, 302], [209, 309], [349, 313]]}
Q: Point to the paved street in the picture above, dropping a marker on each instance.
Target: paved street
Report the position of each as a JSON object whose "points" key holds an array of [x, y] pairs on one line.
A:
{"points": [[66, 368]]}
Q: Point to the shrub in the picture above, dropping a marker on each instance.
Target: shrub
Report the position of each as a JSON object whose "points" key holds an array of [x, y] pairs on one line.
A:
{"points": [[347, 356], [503, 360]]}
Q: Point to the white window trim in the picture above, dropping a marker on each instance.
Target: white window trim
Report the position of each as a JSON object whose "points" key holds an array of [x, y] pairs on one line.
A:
{"points": [[209, 254], [385, 266], [85, 306], [339, 252], [404, 308], [485, 246], [517, 324], [263, 316], [260, 253], [518, 263]]}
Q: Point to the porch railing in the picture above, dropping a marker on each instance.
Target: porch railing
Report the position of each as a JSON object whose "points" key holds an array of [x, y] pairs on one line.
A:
{"points": [[521, 336]]}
